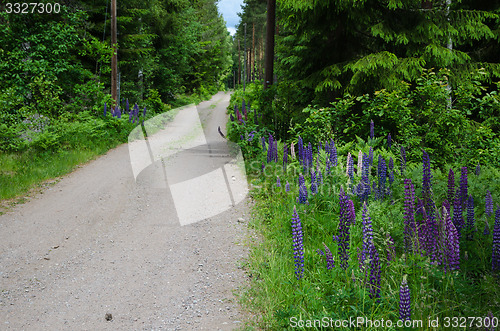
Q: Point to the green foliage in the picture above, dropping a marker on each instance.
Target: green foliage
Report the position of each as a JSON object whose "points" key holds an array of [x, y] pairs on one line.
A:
{"points": [[276, 295]]}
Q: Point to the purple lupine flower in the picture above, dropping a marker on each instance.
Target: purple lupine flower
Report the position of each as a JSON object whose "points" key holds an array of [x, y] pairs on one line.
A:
{"points": [[488, 207], [244, 110], [263, 167], [270, 151], [458, 219], [451, 185], [328, 256], [105, 108], [314, 184], [372, 129], [300, 145], [127, 106], [350, 166], [352, 213], [118, 112], [409, 216], [403, 161], [463, 186], [237, 112], [287, 187], [231, 117], [470, 218], [478, 169], [486, 231], [302, 189], [278, 183], [404, 301], [495, 258], [275, 151], [251, 135], [426, 178], [365, 178], [320, 177], [451, 247], [144, 112], [367, 236], [298, 244], [328, 167], [389, 141], [382, 174], [374, 272], [344, 235], [370, 156]]}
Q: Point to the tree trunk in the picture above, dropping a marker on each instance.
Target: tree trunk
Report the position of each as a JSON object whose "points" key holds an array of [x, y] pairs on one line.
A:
{"points": [[271, 23]]}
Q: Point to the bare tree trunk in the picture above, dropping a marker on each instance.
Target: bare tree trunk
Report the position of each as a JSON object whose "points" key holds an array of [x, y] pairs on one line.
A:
{"points": [[114, 59], [271, 23]]}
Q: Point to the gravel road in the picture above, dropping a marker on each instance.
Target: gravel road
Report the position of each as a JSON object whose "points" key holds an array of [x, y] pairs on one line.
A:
{"points": [[104, 249]]}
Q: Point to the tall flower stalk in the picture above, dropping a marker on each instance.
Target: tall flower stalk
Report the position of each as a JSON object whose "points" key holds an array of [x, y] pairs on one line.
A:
{"points": [[451, 249], [409, 216], [495, 258], [298, 244], [344, 231], [404, 301], [302, 189]]}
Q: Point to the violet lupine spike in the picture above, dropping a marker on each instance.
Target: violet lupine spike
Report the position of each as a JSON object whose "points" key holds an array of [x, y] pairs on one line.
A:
{"points": [[344, 235], [374, 279], [270, 151], [403, 161], [409, 216], [263, 167], [463, 186], [328, 256], [278, 183], [130, 115], [302, 189], [349, 166], [495, 258], [458, 219], [105, 109], [382, 174], [298, 244], [352, 213], [367, 235], [144, 112], [389, 141], [314, 184], [320, 178], [365, 178], [300, 145], [404, 301], [328, 167], [127, 106], [451, 185], [451, 244], [488, 207], [263, 143], [287, 187], [372, 129], [478, 169], [470, 218], [244, 110], [370, 156], [231, 117], [486, 231]]}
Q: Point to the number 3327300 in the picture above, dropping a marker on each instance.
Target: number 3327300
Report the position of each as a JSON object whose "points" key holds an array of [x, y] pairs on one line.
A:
{"points": [[32, 7]]}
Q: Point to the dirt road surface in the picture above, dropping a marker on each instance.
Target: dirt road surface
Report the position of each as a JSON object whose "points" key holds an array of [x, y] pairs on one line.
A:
{"points": [[103, 241]]}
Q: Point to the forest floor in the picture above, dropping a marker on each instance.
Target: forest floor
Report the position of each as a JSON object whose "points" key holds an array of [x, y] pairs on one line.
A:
{"points": [[103, 249]]}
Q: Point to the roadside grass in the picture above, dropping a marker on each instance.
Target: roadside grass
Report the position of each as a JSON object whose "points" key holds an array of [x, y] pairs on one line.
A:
{"points": [[439, 299], [79, 138]]}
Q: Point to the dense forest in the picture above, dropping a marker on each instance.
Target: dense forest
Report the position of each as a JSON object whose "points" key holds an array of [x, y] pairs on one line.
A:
{"points": [[56, 108]]}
